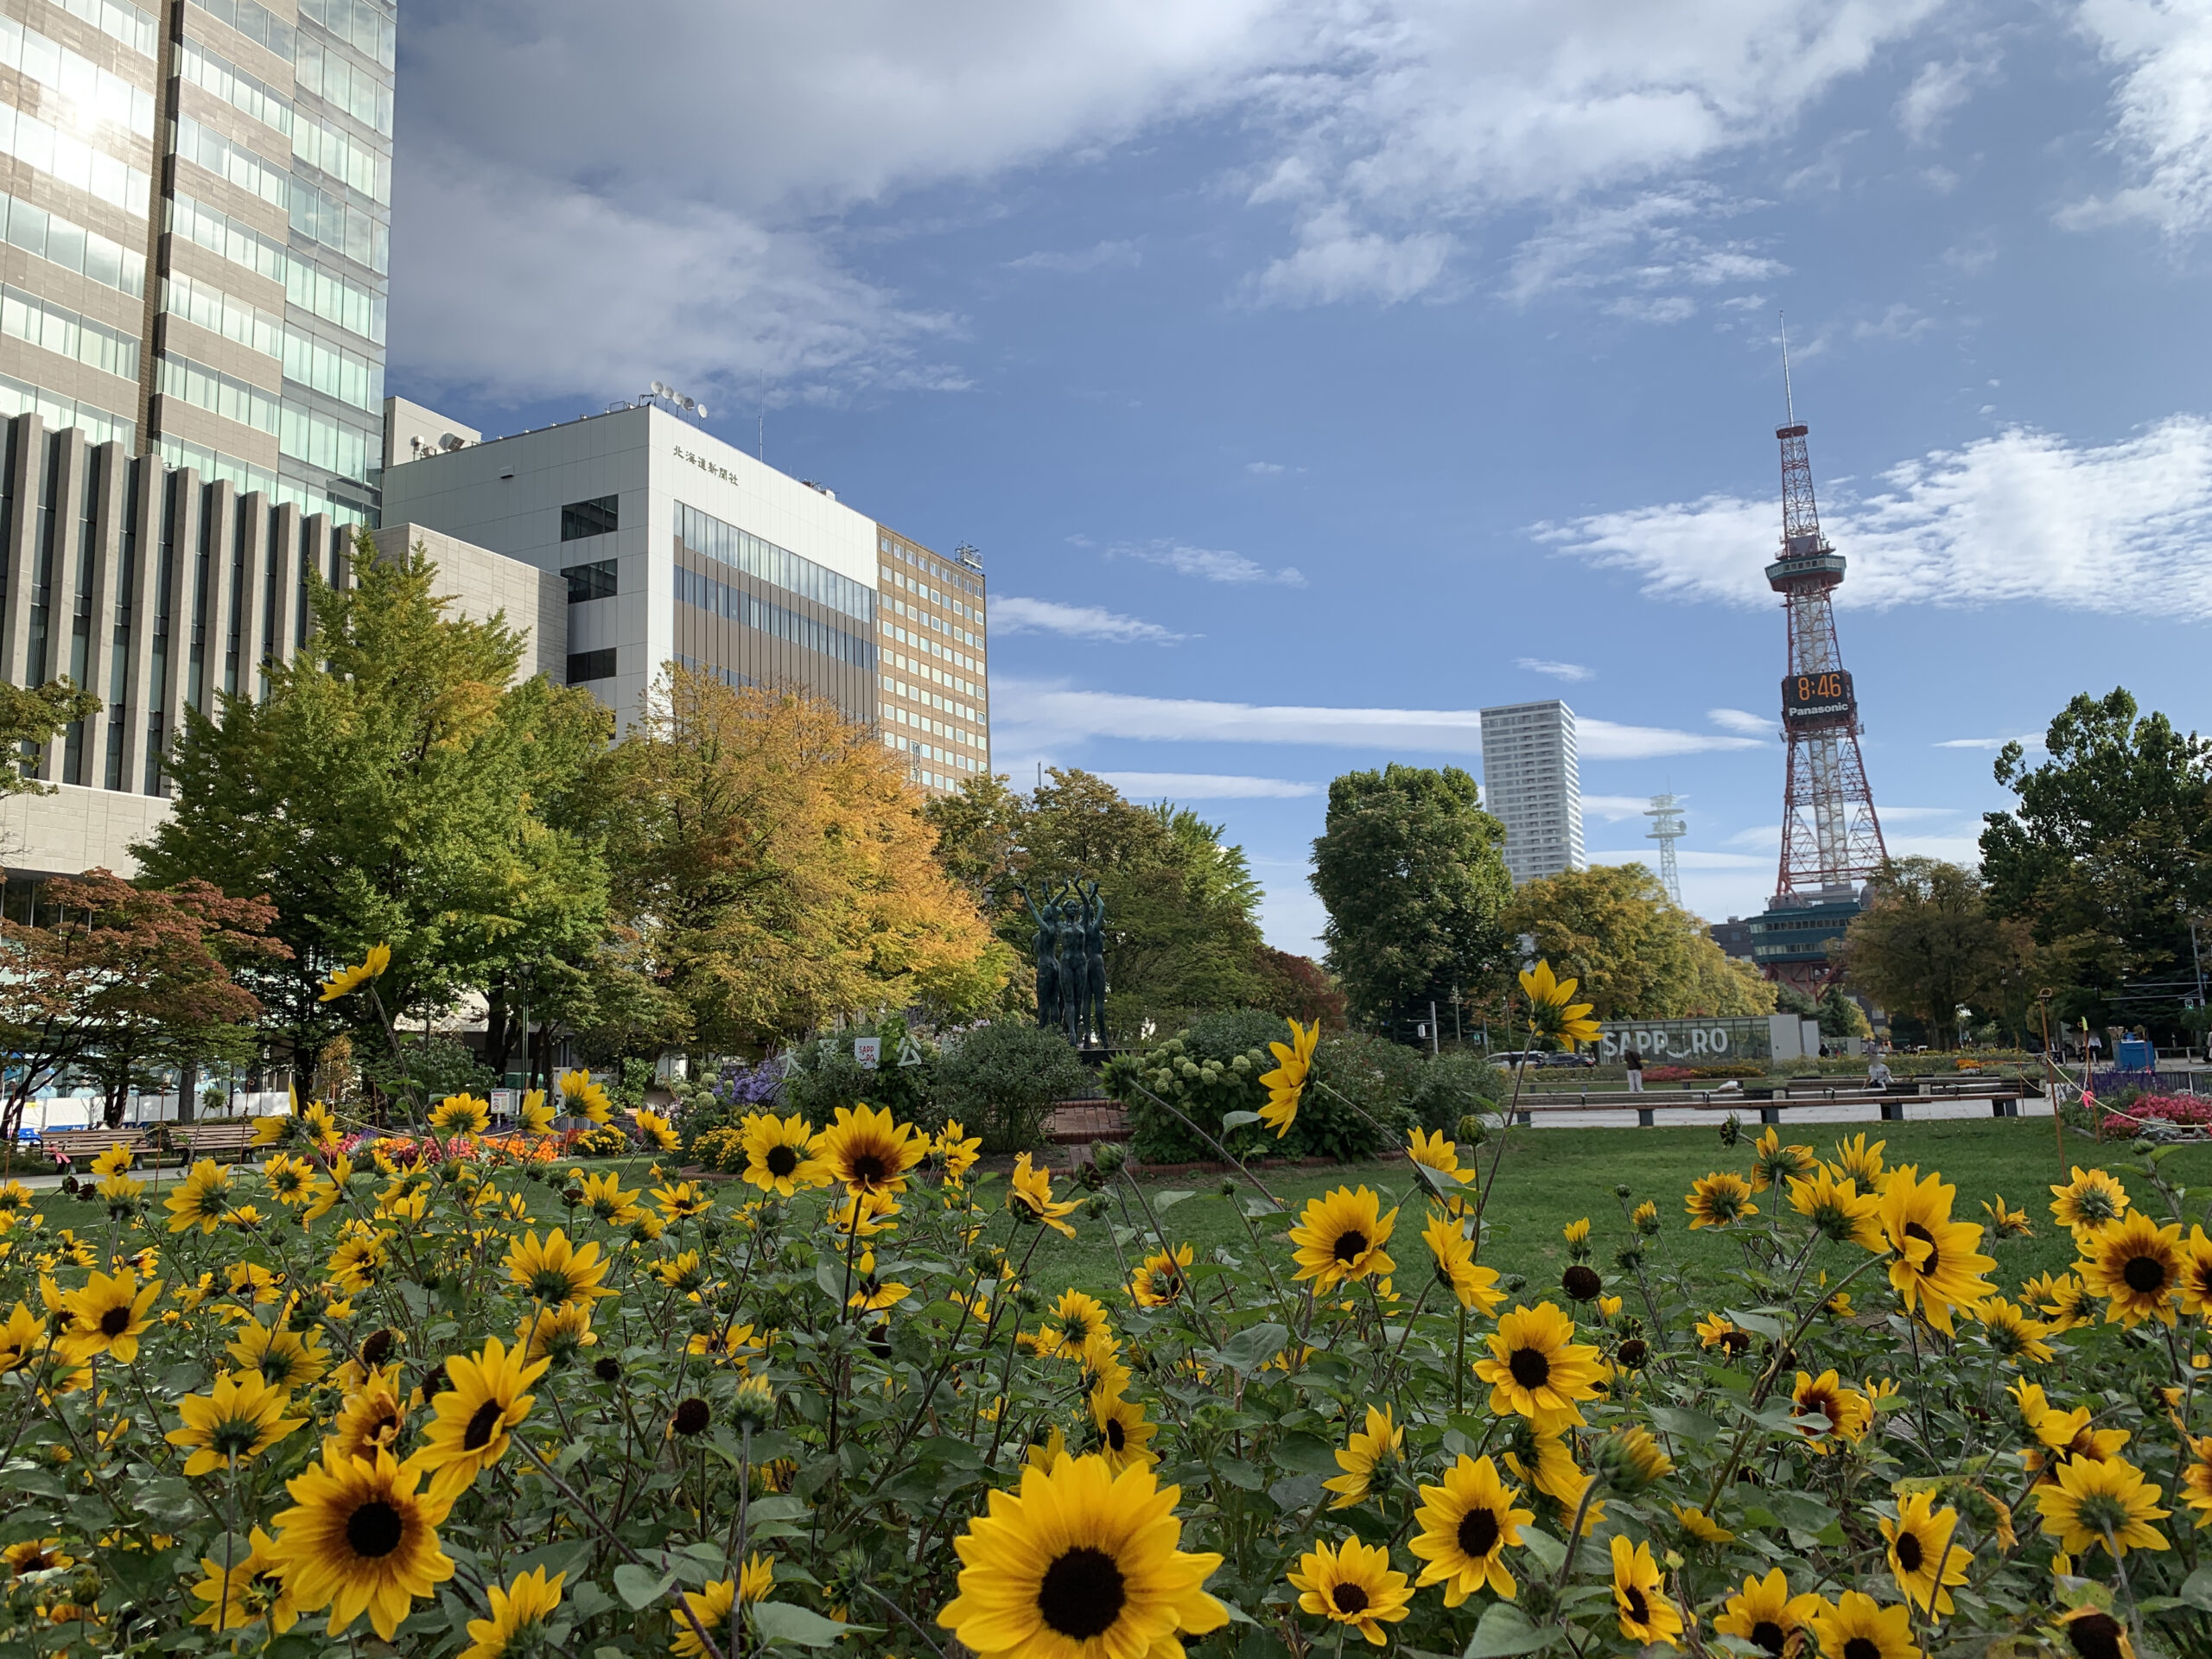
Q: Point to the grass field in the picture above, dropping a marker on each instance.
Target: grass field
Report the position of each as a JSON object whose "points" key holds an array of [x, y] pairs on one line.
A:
{"points": [[1551, 1176]]}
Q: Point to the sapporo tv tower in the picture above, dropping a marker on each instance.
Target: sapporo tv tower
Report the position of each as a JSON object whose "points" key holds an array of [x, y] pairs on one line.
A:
{"points": [[1831, 839]]}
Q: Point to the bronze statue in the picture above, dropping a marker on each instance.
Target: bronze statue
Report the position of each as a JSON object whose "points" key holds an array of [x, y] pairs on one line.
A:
{"points": [[1094, 950], [1069, 949], [1045, 948]]}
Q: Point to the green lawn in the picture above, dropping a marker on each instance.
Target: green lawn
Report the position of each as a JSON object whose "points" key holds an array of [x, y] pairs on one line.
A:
{"points": [[1552, 1176]]}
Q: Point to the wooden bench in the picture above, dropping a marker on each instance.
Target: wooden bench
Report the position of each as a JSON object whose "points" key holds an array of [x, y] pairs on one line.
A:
{"points": [[1770, 1103], [82, 1145], [211, 1140]]}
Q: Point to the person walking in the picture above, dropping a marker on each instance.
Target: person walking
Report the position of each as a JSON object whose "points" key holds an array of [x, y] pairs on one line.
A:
{"points": [[1635, 1062]]}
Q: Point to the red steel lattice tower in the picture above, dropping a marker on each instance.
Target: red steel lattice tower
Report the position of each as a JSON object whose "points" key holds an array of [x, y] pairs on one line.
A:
{"points": [[1831, 840]]}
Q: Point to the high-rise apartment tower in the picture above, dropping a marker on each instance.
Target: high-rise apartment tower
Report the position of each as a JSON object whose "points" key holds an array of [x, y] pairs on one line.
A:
{"points": [[195, 229], [1532, 782]]}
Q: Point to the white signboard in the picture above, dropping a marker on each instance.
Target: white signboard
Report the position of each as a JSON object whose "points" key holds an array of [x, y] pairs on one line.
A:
{"points": [[868, 1052]]}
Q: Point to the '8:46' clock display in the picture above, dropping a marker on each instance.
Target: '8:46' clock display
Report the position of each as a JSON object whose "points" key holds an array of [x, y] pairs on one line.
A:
{"points": [[1824, 698]]}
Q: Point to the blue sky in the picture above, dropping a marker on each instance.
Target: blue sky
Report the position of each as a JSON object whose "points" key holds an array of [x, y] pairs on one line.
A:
{"points": [[1312, 372]]}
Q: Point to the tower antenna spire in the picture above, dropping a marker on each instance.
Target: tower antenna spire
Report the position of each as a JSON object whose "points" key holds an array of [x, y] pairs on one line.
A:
{"points": [[1788, 399]]}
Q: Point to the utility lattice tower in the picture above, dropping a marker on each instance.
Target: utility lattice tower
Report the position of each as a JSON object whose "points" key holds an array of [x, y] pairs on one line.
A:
{"points": [[1831, 840], [1667, 828]]}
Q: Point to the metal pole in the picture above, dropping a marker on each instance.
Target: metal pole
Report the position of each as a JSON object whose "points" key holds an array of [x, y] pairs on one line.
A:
{"points": [[1432, 1027]]}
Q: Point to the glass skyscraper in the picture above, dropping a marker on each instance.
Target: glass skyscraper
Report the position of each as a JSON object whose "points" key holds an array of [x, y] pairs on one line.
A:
{"points": [[197, 235]]}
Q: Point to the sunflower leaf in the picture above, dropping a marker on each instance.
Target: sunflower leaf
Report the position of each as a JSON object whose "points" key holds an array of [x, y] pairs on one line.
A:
{"points": [[2196, 1589], [800, 1627], [641, 1587], [1505, 1630], [1237, 1120], [1169, 1200], [1251, 1348]]}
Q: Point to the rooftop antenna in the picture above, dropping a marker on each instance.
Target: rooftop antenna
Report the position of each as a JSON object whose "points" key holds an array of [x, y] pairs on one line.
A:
{"points": [[1788, 401]]}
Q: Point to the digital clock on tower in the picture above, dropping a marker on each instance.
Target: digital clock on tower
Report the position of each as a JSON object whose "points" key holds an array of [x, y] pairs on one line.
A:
{"points": [[1823, 696]]}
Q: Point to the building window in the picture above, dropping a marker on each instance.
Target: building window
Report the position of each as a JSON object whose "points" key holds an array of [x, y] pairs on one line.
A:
{"points": [[594, 517], [588, 581], [591, 665]]}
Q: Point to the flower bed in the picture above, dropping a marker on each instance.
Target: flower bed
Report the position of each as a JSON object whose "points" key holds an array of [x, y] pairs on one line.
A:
{"points": [[2192, 1109], [440, 1397]]}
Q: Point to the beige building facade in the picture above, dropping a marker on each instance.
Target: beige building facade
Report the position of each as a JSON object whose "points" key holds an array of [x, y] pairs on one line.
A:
{"points": [[933, 671]]}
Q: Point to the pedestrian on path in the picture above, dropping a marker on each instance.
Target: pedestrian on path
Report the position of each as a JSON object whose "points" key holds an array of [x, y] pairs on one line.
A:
{"points": [[1635, 1070]]}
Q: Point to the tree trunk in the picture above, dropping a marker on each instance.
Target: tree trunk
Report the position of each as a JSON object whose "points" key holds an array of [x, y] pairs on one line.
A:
{"points": [[187, 1089], [112, 1116]]}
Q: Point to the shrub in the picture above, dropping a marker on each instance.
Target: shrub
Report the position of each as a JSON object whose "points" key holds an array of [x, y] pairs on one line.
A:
{"points": [[720, 1149], [1214, 1067], [1000, 1082], [604, 1141], [1450, 1086], [822, 1075], [432, 1067]]}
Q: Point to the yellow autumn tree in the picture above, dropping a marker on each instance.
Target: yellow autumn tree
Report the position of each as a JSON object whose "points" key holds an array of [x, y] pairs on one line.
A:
{"points": [[772, 859]]}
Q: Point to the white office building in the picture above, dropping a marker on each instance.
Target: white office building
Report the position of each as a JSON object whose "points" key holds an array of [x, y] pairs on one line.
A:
{"points": [[1531, 783]]}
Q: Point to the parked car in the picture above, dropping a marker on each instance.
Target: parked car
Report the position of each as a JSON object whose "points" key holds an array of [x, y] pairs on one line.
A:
{"points": [[1507, 1059], [1564, 1059]]}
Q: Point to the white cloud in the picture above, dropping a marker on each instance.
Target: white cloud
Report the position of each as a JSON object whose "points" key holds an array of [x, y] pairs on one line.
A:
{"points": [[2023, 516], [1010, 613], [1613, 809], [2163, 128], [1205, 787], [1644, 245], [1106, 255], [1262, 468], [1937, 91], [1030, 714], [2026, 740], [1574, 673], [1208, 565], [1743, 721], [591, 195]]}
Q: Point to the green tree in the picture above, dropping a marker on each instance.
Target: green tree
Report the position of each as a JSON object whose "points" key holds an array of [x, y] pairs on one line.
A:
{"points": [[1638, 954], [31, 716], [2105, 855], [1928, 943], [1412, 871], [396, 785]]}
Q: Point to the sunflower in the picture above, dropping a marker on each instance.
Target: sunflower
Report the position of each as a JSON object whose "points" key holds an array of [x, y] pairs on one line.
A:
{"points": [[604, 1197], [2068, 1300], [252, 1590], [716, 1609], [1432, 1152], [321, 1125], [557, 1333], [1859, 1627], [1079, 1555], [684, 1272], [2107, 1503], [1467, 1526], [462, 1115], [372, 1416], [869, 1150], [1075, 1320], [1030, 1197], [1161, 1277], [1124, 1432], [1535, 1366], [1340, 1237], [1474, 1287], [1922, 1556], [2194, 1285], [36, 1555], [1353, 1584], [241, 1417], [201, 1198], [535, 1117], [1553, 1010], [2136, 1266], [656, 1131], [776, 1156], [1381, 1444], [286, 1359], [1702, 1526], [1577, 1234], [581, 1097], [2067, 1436], [2012, 1334], [1632, 1460], [1293, 1064], [290, 1180], [20, 1337], [2088, 1202], [360, 1260], [522, 1606], [1715, 1201], [734, 1342], [1846, 1412], [1640, 1599], [2007, 1223], [360, 1538], [682, 1200], [2092, 1633], [1719, 1331], [1937, 1266], [1838, 1211], [1861, 1162], [864, 1215], [958, 1149], [106, 1316], [1773, 1163], [345, 980], [871, 1294], [557, 1271], [483, 1401]]}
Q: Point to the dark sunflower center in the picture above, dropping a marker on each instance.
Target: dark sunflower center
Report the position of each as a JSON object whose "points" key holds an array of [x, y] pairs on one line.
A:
{"points": [[1351, 1244], [1862, 1647], [2144, 1274], [2094, 1636], [115, 1321], [1479, 1532], [1914, 1229], [1639, 1609], [1530, 1367], [692, 1415], [1582, 1283], [1117, 1436], [1770, 1635], [378, 1348], [869, 1167], [1910, 1555], [374, 1530], [1827, 1405], [1082, 1594], [482, 1426], [1349, 1598], [782, 1160]]}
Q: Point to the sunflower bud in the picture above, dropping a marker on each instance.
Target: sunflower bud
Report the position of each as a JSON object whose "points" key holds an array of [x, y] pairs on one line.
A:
{"points": [[755, 1405], [1621, 1190], [1732, 1129], [1628, 1460], [1473, 1130], [1107, 1157]]}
